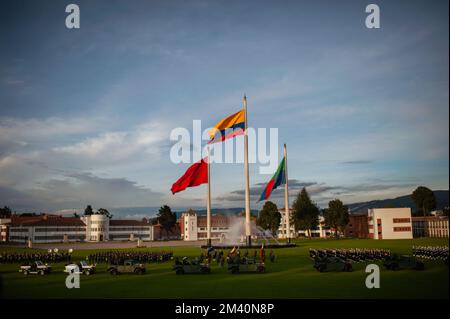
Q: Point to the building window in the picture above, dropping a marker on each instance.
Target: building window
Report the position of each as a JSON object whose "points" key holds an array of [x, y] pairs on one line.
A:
{"points": [[401, 229], [401, 220]]}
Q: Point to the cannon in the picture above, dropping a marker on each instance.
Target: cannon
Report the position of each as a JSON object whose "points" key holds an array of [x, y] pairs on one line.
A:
{"points": [[397, 262], [128, 266], [326, 264], [238, 265], [35, 268], [83, 268], [186, 266]]}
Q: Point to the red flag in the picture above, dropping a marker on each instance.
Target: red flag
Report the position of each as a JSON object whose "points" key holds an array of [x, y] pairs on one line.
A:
{"points": [[196, 175]]}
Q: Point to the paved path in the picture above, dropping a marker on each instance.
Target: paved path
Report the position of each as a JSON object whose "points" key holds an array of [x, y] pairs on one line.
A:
{"points": [[116, 245]]}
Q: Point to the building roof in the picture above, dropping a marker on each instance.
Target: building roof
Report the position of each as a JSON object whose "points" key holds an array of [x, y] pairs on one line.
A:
{"points": [[45, 220], [128, 222]]}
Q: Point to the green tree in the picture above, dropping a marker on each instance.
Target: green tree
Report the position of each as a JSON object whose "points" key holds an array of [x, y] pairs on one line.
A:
{"points": [[167, 218], [424, 199], [104, 211], [269, 217], [88, 210], [445, 211], [306, 213], [5, 212], [336, 216]]}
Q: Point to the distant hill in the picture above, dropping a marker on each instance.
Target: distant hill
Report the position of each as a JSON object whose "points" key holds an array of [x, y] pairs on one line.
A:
{"points": [[141, 212], [402, 201]]}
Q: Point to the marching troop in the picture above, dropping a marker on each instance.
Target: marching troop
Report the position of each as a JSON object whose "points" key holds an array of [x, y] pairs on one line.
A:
{"points": [[118, 257], [431, 252], [49, 257], [352, 254]]}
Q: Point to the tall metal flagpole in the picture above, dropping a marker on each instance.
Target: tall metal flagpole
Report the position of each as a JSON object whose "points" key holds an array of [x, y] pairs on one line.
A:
{"points": [[208, 203], [248, 233], [286, 198]]}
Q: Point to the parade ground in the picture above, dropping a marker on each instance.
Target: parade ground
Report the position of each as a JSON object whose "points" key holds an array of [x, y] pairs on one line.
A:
{"points": [[291, 276]]}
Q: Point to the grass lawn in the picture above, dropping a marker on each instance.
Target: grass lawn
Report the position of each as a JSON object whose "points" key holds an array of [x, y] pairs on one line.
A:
{"points": [[291, 276]]}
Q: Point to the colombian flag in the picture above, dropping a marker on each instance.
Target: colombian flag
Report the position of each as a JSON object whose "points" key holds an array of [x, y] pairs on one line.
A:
{"points": [[228, 127], [277, 179]]}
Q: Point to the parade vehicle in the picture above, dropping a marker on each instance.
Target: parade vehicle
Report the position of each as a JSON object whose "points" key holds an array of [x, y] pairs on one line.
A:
{"points": [[35, 268], [397, 262], [326, 264], [190, 267], [83, 268], [128, 266], [246, 265]]}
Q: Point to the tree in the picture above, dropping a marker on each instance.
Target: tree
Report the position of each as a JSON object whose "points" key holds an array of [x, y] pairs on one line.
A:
{"points": [[424, 199], [5, 212], [269, 217], [306, 213], [336, 216], [88, 210], [104, 211], [166, 218], [445, 211]]}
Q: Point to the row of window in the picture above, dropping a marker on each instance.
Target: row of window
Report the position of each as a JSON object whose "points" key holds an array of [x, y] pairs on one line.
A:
{"points": [[58, 237], [129, 228], [18, 230], [400, 229], [59, 229], [401, 220]]}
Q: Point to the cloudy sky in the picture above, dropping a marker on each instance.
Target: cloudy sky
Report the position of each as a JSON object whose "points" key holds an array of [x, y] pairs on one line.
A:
{"points": [[85, 115]]}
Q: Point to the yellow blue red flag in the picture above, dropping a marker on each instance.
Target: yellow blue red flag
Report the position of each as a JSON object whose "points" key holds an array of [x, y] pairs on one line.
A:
{"points": [[228, 127]]}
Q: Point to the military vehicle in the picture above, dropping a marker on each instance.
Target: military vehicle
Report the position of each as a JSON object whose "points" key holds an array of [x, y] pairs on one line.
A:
{"points": [[128, 266], [238, 265], [83, 268], [190, 267], [35, 268], [397, 262], [325, 264]]}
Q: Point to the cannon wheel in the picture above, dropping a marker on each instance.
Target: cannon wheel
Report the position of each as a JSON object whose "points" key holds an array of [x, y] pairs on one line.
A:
{"points": [[179, 271], [25, 272], [113, 272], [419, 266], [87, 272], [139, 271], [42, 273]]}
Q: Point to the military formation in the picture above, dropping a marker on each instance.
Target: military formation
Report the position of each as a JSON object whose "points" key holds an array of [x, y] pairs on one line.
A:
{"points": [[49, 257], [431, 252], [353, 255], [118, 257]]}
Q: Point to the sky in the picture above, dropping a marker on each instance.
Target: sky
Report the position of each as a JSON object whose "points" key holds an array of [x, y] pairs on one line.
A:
{"points": [[86, 114]]}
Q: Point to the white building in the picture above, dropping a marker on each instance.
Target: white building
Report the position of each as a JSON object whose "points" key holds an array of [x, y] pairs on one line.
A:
{"points": [[4, 223], [390, 223], [101, 228], [52, 228], [46, 229], [223, 227], [430, 226], [321, 231]]}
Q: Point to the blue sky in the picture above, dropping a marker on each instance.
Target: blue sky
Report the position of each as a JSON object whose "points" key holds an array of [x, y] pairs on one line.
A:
{"points": [[85, 115]]}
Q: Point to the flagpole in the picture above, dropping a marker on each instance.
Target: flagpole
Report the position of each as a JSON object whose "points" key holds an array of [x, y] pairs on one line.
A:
{"points": [[286, 198], [208, 203], [247, 182]]}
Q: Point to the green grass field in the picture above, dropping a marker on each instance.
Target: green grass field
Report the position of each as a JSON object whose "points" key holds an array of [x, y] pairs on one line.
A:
{"points": [[291, 276]]}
